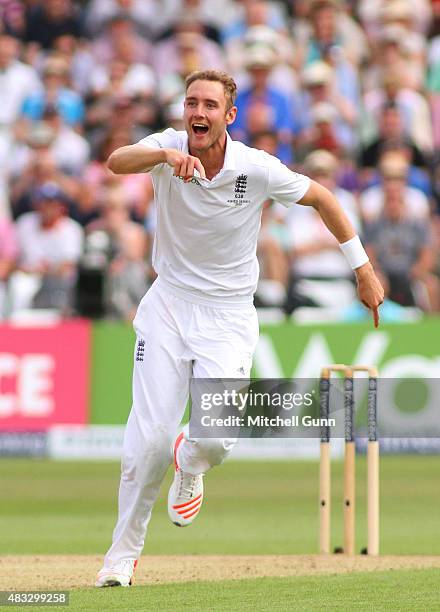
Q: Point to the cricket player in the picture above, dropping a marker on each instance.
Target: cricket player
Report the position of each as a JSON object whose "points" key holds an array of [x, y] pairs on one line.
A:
{"points": [[198, 318]]}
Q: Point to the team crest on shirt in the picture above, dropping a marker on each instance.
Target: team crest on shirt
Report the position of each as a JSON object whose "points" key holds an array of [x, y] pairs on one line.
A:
{"points": [[140, 350], [240, 190]]}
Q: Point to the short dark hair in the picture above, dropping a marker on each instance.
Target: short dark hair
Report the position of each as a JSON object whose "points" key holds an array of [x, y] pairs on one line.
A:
{"points": [[390, 105], [229, 85], [263, 134]]}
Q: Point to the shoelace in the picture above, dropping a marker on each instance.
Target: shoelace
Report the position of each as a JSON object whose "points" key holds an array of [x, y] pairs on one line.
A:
{"points": [[186, 485]]}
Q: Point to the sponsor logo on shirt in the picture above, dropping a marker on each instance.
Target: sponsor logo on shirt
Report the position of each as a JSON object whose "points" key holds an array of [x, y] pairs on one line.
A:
{"points": [[194, 181]]}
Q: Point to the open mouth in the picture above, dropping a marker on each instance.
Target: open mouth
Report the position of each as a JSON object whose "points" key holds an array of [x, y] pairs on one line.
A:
{"points": [[200, 128]]}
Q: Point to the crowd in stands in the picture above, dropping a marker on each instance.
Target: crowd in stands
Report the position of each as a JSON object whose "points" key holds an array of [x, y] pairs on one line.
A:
{"points": [[346, 91]]}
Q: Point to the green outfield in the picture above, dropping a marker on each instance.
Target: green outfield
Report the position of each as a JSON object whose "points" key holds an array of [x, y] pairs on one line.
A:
{"points": [[405, 590], [252, 508]]}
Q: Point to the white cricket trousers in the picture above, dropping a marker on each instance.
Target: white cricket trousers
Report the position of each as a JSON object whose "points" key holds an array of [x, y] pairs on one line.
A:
{"points": [[176, 339]]}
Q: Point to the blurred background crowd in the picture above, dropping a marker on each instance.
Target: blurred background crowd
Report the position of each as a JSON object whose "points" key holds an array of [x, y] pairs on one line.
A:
{"points": [[346, 91]]}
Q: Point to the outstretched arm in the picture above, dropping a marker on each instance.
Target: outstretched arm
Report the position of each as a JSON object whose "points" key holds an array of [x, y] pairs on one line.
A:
{"points": [[136, 158], [370, 290]]}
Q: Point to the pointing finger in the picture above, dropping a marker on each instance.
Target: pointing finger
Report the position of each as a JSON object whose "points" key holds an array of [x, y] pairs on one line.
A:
{"points": [[198, 164], [189, 170], [376, 316]]}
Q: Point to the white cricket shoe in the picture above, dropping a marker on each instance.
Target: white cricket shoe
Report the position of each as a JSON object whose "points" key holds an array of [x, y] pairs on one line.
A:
{"points": [[119, 574], [185, 496]]}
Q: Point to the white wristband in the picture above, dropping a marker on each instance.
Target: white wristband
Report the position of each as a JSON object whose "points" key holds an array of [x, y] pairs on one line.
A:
{"points": [[354, 252]]}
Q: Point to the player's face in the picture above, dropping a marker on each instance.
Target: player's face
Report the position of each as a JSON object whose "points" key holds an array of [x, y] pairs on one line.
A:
{"points": [[206, 114]]}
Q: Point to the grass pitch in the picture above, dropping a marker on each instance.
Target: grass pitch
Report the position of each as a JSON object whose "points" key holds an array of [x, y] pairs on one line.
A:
{"points": [[251, 508], [397, 591]]}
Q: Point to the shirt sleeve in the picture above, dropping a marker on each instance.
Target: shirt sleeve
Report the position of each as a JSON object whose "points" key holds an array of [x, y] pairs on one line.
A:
{"points": [[168, 139], [285, 186], [162, 140]]}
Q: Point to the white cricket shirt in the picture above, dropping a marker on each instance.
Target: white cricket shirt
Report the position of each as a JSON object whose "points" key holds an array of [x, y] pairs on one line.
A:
{"points": [[206, 235]]}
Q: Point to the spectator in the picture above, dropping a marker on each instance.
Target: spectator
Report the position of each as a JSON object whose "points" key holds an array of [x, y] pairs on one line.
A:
{"points": [[231, 10], [282, 76], [194, 10], [324, 167], [151, 17], [117, 31], [274, 265], [272, 241], [392, 53], [79, 58], [267, 140], [125, 88], [324, 37], [326, 45], [123, 76], [320, 24], [320, 87], [320, 273], [71, 151], [394, 168], [13, 16], [119, 114], [138, 188], [401, 249], [98, 178], [400, 13], [299, 84], [50, 246], [262, 107], [392, 137], [17, 81], [50, 19], [188, 49], [417, 177], [33, 165], [324, 135], [127, 271], [57, 92], [300, 26], [254, 13], [8, 257], [411, 104], [354, 41], [391, 132], [177, 57], [372, 15]]}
